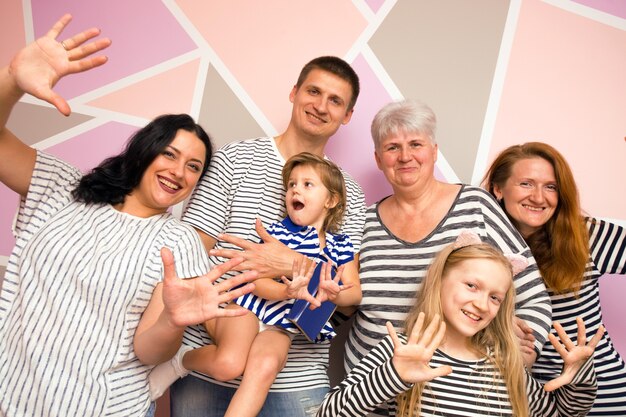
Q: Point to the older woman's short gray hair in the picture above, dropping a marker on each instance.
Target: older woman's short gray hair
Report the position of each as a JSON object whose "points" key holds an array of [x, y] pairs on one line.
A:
{"points": [[409, 116]]}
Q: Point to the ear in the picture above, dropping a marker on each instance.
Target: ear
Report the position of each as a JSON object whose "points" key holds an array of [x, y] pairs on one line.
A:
{"points": [[497, 191], [377, 158], [436, 150], [347, 117], [292, 95], [331, 201]]}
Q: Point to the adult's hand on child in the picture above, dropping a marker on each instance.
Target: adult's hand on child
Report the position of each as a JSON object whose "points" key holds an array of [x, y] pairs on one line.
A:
{"points": [[297, 286], [39, 66], [270, 258], [196, 300], [329, 287], [411, 361], [574, 355]]}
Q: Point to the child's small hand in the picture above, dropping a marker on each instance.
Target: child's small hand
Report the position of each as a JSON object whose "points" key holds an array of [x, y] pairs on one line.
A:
{"points": [[297, 287], [329, 287], [411, 361], [574, 356]]}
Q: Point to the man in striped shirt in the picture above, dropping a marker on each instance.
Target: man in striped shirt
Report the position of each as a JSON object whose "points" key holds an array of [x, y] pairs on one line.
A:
{"points": [[245, 184]]}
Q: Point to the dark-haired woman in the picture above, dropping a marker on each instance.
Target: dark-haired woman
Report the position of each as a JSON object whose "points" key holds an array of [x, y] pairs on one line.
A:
{"points": [[89, 255], [534, 184]]}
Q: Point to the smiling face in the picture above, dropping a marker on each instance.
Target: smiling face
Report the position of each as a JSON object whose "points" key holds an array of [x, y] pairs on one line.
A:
{"points": [[406, 159], [530, 194], [307, 199], [471, 294], [320, 104], [170, 178]]}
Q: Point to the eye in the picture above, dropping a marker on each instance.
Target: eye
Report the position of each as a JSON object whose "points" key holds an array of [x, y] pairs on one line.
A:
{"points": [[308, 184], [525, 184], [415, 144], [194, 167], [169, 154], [471, 285], [291, 184], [496, 299], [337, 101], [313, 91], [392, 147], [552, 187]]}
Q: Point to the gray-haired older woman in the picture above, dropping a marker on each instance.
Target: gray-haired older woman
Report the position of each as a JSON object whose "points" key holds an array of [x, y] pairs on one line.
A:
{"points": [[404, 231]]}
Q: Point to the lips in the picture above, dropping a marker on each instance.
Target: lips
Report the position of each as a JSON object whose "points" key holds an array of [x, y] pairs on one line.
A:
{"points": [[297, 205], [531, 208], [471, 315], [169, 186], [313, 116]]}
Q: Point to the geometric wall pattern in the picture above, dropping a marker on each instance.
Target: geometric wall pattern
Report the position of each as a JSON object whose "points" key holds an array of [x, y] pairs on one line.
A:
{"points": [[496, 72]]}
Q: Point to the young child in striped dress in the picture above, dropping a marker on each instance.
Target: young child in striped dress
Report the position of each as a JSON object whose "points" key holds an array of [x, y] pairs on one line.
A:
{"points": [[256, 345], [460, 355]]}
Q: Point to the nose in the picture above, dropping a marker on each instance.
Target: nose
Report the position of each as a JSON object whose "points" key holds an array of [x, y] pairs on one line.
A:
{"points": [[405, 154], [537, 195], [178, 169], [320, 104], [481, 301]]}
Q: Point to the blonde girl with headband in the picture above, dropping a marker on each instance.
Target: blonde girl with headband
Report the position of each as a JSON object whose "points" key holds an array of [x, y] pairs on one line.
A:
{"points": [[256, 345], [459, 354]]}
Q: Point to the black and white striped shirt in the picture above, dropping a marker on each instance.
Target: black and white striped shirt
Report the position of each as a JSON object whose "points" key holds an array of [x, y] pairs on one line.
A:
{"points": [[244, 182], [607, 245], [76, 284], [473, 389], [391, 270]]}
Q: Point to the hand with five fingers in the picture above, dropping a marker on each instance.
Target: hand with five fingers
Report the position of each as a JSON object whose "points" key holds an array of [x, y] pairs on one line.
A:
{"points": [[297, 286], [191, 301], [329, 287], [39, 66], [574, 355], [411, 361], [270, 259]]}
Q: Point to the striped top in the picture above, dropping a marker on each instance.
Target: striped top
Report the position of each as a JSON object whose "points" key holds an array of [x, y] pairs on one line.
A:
{"points": [[245, 182], [607, 244], [76, 284], [473, 389], [305, 240], [391, 270]]}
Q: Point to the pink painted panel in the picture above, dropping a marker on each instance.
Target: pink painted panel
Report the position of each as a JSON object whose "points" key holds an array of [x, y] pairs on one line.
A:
{"points": [[614, 7], [11, 30], [612, 290], [168, 92], [564, 84], [144, 33]]}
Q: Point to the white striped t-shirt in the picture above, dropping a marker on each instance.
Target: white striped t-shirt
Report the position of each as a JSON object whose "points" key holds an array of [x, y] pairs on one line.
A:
{"points": [[76, 284], [244, 182], [473, 389]]}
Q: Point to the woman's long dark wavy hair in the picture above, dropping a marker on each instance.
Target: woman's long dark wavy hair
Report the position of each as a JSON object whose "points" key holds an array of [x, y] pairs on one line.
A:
{"points": [[117, 176]]}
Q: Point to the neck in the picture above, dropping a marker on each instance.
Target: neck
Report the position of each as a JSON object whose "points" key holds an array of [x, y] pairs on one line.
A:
{"points": [[460, 348], [291, 143], [418, 201]]}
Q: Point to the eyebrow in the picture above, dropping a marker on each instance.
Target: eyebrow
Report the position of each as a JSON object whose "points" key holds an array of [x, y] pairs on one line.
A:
{"points": [[178, 152]]}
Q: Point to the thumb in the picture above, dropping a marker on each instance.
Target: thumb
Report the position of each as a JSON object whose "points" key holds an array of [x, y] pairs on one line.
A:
{"points": [[260, 230], [169, 269], [58, 102]]}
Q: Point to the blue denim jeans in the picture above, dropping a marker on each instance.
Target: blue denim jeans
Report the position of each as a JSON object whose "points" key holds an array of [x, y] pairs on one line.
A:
{"points": [[194, 397]]}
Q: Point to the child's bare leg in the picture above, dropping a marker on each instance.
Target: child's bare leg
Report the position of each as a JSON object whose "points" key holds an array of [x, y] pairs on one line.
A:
{"points": [[226, 359], [267, 358]]}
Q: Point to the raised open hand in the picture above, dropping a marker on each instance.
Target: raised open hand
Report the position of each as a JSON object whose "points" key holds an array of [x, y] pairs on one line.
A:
{"points": [[574, 355], [329, 287], [412, 360], [39, 66], [297, 286], [196, 300]]}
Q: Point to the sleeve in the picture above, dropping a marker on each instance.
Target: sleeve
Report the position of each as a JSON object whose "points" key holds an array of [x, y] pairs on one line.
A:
{"points": [[532, 302], [190, 257], [354, 216], [210, 202], [572, 400], [373, 381], [50, 190], [607, 245]]}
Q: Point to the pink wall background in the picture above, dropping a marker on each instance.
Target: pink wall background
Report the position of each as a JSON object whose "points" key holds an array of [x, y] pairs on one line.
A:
{"points": [[559, 76]]}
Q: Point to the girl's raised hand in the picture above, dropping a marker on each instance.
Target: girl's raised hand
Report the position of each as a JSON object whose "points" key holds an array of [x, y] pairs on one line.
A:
{"points": [[574, 355], [411, 361], [329, 287], [39, 66], [297, 286]]}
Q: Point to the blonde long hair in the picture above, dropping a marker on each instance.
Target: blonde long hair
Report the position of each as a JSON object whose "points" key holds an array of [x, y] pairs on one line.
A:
{"points": [[498, 337]]}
